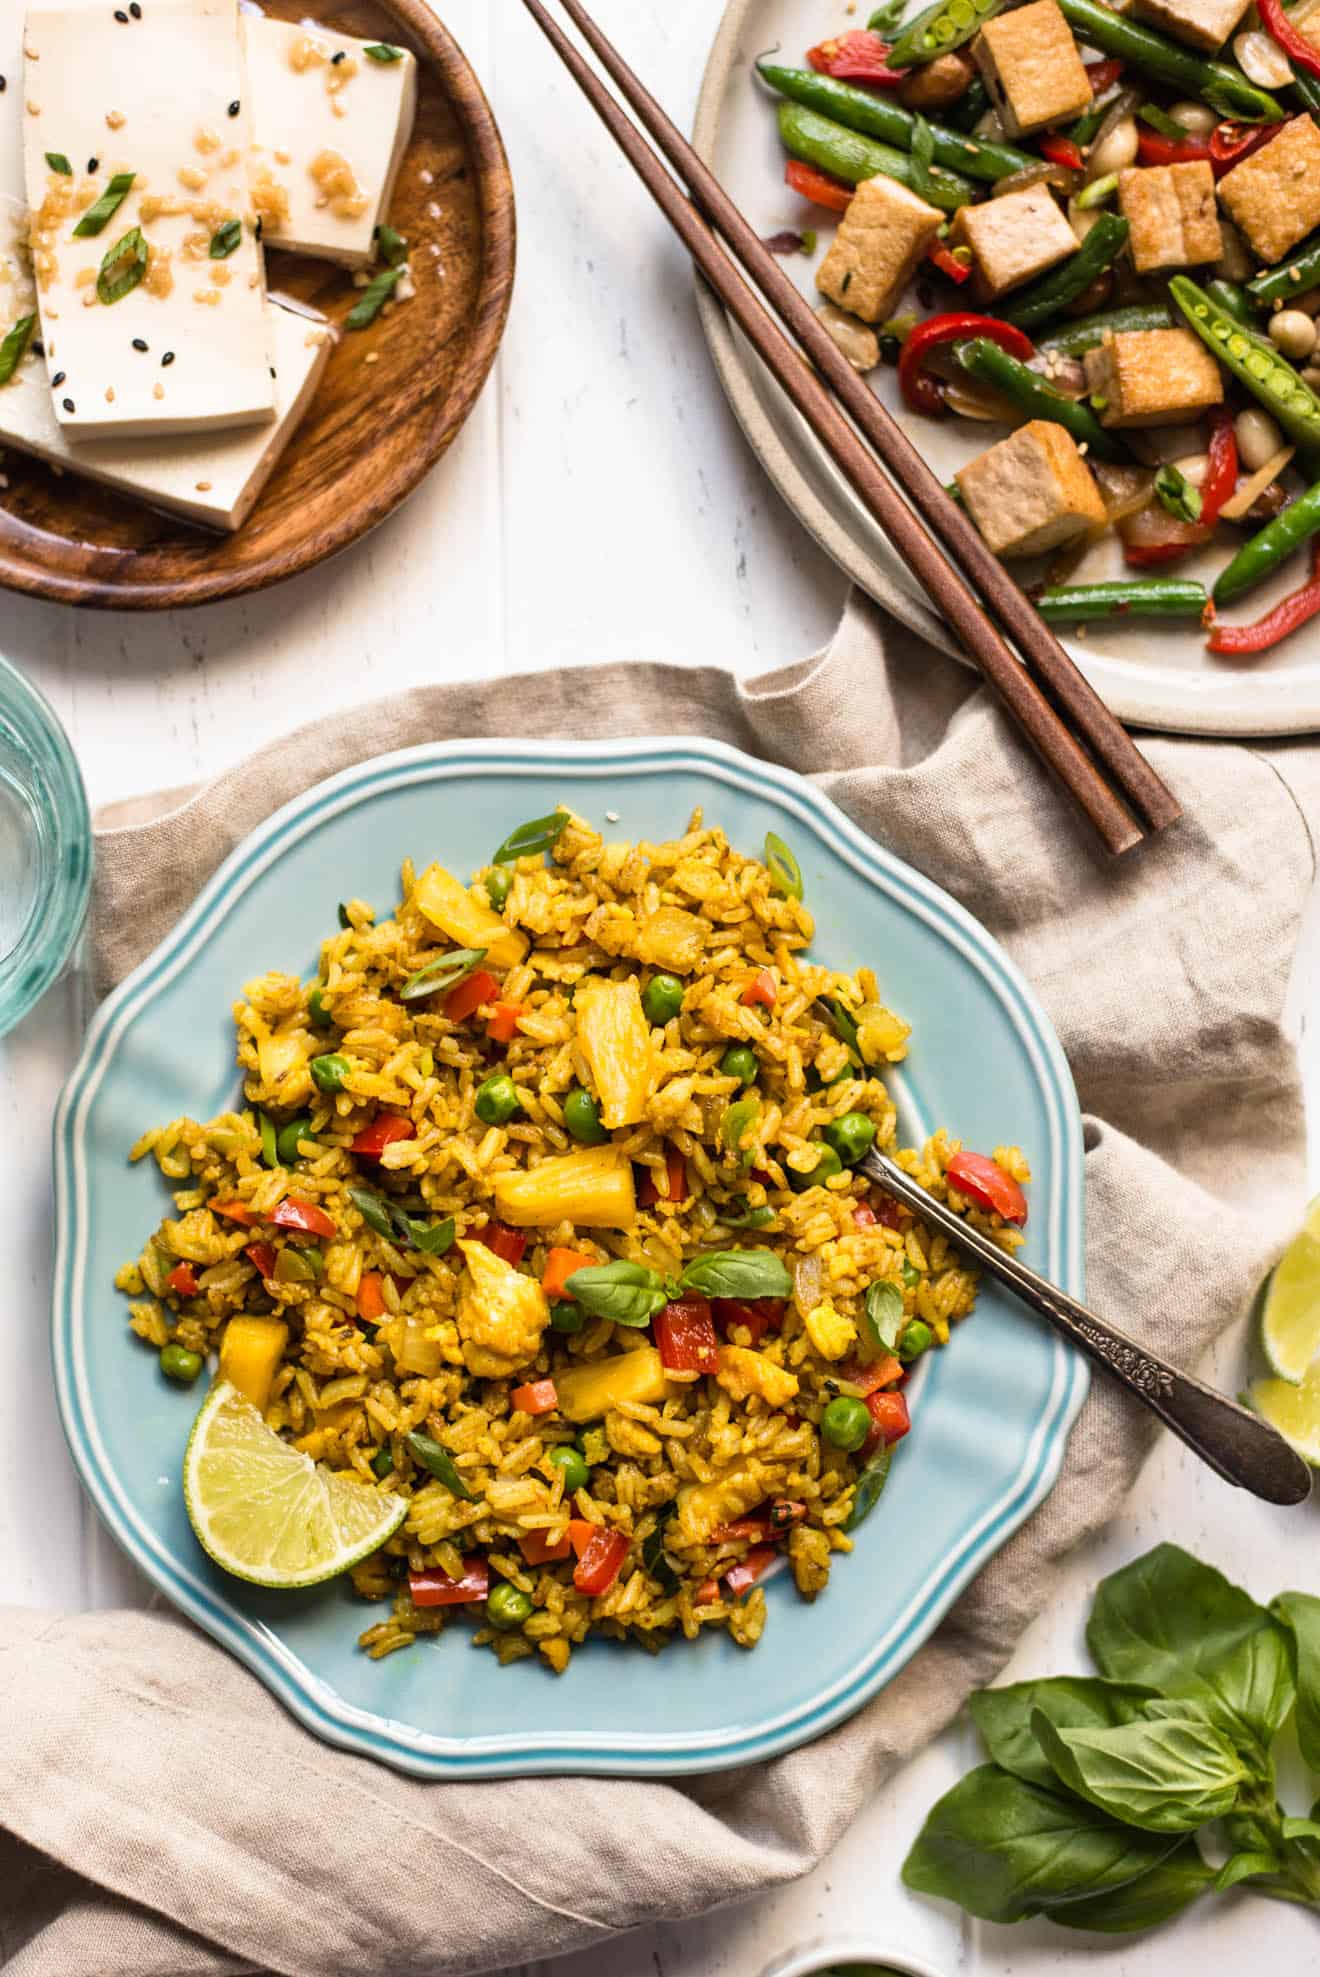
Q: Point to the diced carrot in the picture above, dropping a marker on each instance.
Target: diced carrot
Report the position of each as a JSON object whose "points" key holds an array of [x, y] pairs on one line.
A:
{"points": [[370, 1298], [760, 989], [469, 995], [560, 1265], [880, 1373], [502, 1026], [537, 1397], [182, 1280], [580, 1533], [537, 1548], [708, 1592]]}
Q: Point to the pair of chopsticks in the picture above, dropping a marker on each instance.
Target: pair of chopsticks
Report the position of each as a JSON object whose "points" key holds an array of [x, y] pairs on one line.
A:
{"points": [[1061, 716]]}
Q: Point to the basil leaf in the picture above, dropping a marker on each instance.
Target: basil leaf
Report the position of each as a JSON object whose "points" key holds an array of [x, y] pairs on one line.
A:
{"points": [[1071, 1702], [381, 51], [1168, 1776], [373, 1209], [746, 1274], [1154, 1897], [1300, 1829], [106, 206], [655, 1560], [123, 267], [225, 239], [15, 343], [446, 973], [1300, 1614], [626, 1293], [844, 1027], [870, 1486], [59, 163], [1245, 1867], [393, 247], [1005, 1849], [432, 1238], [739, 1216], [785, 872], [1176, 494], [439, 1462], [883, 1315], [374, 297], [538, 834]]}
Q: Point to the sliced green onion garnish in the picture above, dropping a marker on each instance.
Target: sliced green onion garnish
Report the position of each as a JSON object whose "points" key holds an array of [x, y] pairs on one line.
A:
{"points": [[123, 267], [381, 51], [785, 872], [538, 834], [15, 343], [393, 246], [225, 239], [374, 297], [844, 1027], [106, 206], [59, 163], [446, 973]]}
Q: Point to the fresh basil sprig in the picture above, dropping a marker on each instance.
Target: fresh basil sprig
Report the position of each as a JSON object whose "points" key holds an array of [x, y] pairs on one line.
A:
{"points": [[439, 1462], [15, 343], [123, 267], [745, 1274], [870, 1485], [538, 834], [95, 218], [625, 1293], [225, 239], [632, 1294], [883, 1314], [446, 973], [655, 1559], [374, 297]]}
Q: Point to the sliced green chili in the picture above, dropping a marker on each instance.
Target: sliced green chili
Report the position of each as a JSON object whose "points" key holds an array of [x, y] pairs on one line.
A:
{"points": [[382, 51], [59, 163], [785, 872], [225, 239]]}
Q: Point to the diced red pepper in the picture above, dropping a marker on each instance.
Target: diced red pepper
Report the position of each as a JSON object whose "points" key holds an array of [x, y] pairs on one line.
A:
{"points": [[750, 1530], [865, 1216], [857, 56], [436, 1588], [182, 1280], [890, 1213], [1154, 148], [880, 1373], [1149, 555], [985, 1182], [295, 1213], [742, 1577], [819, 187], [235, 1211], [785, 1513], [508, 1244], [262, 1254], [537, 1397], [707, 1592], [385, 1129], [560, 1264], [370, 1297], [759, 1315], [470, 994], [1287, 617], [761, 1174], [538, 1549], [503, 1024], [685, 1334], [1291, 39], [1103, 75], [958, 326], [1222, 468], [889, 1413], [676, 1180], [647, 1192], [948, 263], [600, 1561], [1062, 151], [760, 991]]}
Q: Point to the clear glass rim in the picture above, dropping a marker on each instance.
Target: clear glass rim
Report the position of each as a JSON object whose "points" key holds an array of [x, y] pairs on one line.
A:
{"points": [[65, 878]]}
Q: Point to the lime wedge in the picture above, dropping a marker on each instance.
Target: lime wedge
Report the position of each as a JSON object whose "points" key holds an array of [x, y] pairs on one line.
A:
{"points": [[1294, 1409], [268, 1513], [1290, 1312]]}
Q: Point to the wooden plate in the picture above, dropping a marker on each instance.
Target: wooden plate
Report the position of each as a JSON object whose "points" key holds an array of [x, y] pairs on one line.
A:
{"points": [[373, 429]]}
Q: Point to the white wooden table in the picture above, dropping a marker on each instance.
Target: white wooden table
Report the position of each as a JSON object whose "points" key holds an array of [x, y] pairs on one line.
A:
{"points": [[601, 484]]}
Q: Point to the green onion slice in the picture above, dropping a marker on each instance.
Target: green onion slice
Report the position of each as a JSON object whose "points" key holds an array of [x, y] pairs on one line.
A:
{"points": [[446, 973], [225, 239], [393, 247], [440, 1463], [785, 872], [538, 834], [844, 1027], [15, 343], [123, 267], [374, 297], [381, 51], [59, 163], [106, 206]]}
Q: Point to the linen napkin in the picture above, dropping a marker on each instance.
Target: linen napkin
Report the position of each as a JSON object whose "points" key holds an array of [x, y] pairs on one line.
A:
{"points": [[159, 1811]]}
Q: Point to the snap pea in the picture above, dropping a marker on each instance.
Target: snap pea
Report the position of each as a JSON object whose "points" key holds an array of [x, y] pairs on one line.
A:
{"points": [[1088, 332], [1266, 550], [1291, 277], [848, 155], [1219, 84], [1062, 285], [1137, 597], [1254, 361], [876, 115], [942, 28], [1232, 296], [1038, 399]]}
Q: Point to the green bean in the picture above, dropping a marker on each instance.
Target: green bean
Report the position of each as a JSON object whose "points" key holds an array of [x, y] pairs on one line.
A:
{"points": [[1254, 361], [877, 115], [848, 155], [1090, 120], [1054, 291], [1265, 551], [1219, 84], [1128, 597], [1088, 332], [1038, 399], [1231, 295], [1308, 88], [942, 28], [1291, 277]]}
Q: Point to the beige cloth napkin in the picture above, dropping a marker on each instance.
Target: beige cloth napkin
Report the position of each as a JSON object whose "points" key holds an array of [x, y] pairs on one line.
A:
{"points": [[159, 1812]]}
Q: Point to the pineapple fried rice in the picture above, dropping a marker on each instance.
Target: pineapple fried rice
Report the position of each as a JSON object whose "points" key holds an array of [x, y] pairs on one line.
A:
{"points": [[542, 1213]]}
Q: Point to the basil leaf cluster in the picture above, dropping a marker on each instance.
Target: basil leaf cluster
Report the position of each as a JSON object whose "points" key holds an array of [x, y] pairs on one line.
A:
{"points": [[1097, 1785], [632, 1294]]}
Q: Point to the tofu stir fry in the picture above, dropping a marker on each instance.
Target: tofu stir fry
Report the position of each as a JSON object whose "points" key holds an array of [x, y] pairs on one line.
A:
{"points": [[1110, 223]]}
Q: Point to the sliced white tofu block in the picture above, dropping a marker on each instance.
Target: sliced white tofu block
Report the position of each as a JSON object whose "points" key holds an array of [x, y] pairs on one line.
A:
{"points": [[332, 123], [154, 316], [212, 478]]}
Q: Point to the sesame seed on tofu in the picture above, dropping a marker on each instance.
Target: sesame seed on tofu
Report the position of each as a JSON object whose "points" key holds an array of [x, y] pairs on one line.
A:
{"points": [[1274, 195], [880, 240], [1030, 65], [1159, 377], [1170, 210], [1032, 492]]}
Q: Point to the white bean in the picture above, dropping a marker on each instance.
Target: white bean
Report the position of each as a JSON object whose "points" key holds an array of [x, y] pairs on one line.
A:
{"points": [[1293, 332], [1194, 117], [1260, 58], [1115, 151], [1194, 468], [1258, 438]]}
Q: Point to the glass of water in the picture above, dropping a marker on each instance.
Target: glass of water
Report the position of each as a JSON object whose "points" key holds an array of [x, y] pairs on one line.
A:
{"points": [[45, 847]]}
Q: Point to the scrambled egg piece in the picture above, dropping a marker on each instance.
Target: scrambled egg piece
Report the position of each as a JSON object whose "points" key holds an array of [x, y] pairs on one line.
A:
{"points": [[743, 1372], [501, 1314], [829, 1331]]}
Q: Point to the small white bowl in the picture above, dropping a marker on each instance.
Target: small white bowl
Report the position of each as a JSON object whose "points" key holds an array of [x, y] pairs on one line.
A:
{"points": [[817, 1956]]}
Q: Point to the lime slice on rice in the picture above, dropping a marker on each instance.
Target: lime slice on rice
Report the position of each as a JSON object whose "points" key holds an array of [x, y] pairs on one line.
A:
{"points": [[1294, 1409], [268, 1513], [1290, 1308]]}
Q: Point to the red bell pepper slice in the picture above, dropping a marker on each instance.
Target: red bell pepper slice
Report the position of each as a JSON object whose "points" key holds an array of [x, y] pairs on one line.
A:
{"points": [[889, 1212], [1287, 617], [675, 1175], [889, 1412], [1062, 151], [560, 1264], [370, 1297], [508, 1244], [685, 1334], [182, 1280], [880, 1373], [537, 1397], [600, 1560], [470, 994], [1231, 143], [1222, 471], [1154, 148], [385, 1129], [985, 1183], [1291, 39], [647, 1192], [539, 1549], [503, 1024], [857, 56], [947, 262], [1103, 75], [436, 1588], [759, 1316], [262, 1254], [742, 1577], [235, 1211], [819, 187], [295, 1213], [865, 1216], [761, 991], [919, 389]]}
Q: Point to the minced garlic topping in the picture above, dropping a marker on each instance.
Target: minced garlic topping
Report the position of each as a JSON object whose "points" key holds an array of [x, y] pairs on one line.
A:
{"points": [[338, 185], [270, 198], [115, 119], [159, 278], [207, 140]]}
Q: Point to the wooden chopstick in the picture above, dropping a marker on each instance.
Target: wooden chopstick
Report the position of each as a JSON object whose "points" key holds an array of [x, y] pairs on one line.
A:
{"points": [[1041, 723]]}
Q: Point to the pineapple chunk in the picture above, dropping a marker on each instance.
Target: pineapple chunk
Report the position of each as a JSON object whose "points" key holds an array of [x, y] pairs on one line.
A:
{"points": [[615, 1039], [592, 1189], [672, 938], [250, 1353], [588, 1392], [743, 1372], [451, 907], [501, 1314], [703, 1507]]}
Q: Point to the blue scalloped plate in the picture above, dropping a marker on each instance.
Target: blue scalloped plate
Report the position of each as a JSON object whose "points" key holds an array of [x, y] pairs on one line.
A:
{"points": [[991, 1414]]}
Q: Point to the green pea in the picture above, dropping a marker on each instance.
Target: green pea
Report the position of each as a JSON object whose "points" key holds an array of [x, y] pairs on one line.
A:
{"points": [[178, 1363], [289, 1136], [846, 1423], [576, 1473], [850, 1136], [567, 1316], [582, 1118], [739, 1061], [497, 1099], [662, 998], [499, 884], [320, 1016], [507, 1607], [911, 1275], [382, 1463], [329, 1073], [827, 1165], [917, 1338]]}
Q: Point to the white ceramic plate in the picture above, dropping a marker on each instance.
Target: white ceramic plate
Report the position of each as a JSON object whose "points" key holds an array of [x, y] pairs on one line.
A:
{"points": [[1152, 675]]}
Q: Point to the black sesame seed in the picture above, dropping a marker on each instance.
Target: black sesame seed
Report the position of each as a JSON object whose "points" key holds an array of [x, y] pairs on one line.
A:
{"points": [[135, 10], [38, 347], [58, 380], [337, 58], [69, 405], [3, 85], [139, 343], [168, 358], [121, 16], [93, 164], [235, 107], [272, 370], [257, 229]]}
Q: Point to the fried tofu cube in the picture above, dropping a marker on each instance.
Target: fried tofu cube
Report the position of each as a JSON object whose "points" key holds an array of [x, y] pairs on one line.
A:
{"points": [[1203, 24], [1031, 492], [1274, 196], [1157, 377], [880, 240], [1012, 239], [1031, 67], [1171, 212]]}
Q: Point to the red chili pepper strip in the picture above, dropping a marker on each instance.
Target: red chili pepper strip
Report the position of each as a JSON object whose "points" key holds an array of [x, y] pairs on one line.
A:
{"points": [[1103, 75], [600, 1561], [469, 995], [1154, 148], [1231, 143], [947, 262], [508, 1244], [685, 1334], [1292, 41], [182, 1280], [1147, 555], [761, 1315], [818, 187], [262, 1254], [537, 1397], [760, 990], [675, 1175], [889, 1412], [858, 56], [384, 1130], [1062, 151], [742, 1577], [295, 1213], [1286, 617], [985, 1183], [919, 389], [436, 1588], [1222, 470]]}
